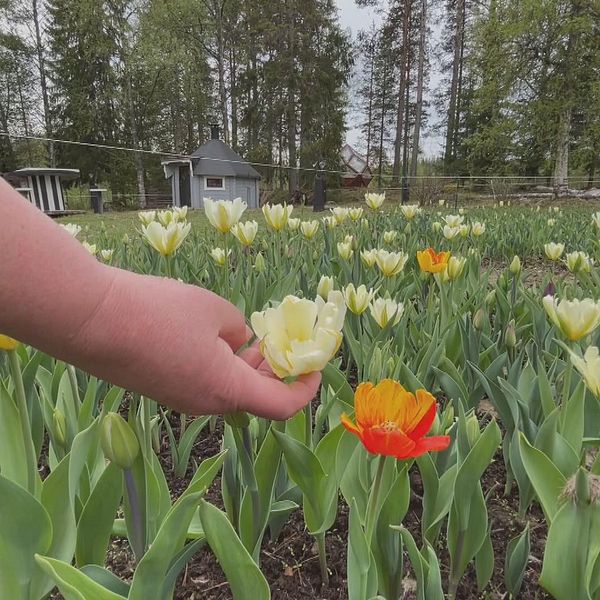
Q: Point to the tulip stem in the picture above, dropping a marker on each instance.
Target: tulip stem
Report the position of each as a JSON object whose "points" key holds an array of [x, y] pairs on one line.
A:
{"points": [[567, 375], [374, 498], [322, 558], [137, 536], [21, 398], [308, 426]]}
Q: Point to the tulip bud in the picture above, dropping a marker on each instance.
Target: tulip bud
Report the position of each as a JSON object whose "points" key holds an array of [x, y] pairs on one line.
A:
{"points": [[550, 290], [325, 286], [510, 336], [479, 319], [515, 265], [490, 299], [59, 426], [259, 263], [473, 431], [119, 442]]}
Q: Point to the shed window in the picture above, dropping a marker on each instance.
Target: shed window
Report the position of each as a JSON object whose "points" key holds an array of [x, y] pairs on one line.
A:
{"points": [[214, 183]]}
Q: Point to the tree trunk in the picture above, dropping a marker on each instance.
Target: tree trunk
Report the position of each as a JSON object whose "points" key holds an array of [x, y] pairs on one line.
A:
{"points": [[370, 110], [43, 81], [382, 125], [138, 157], [401, 92], [234, 92], [221, 72], [563, 136], [451, 125], [561, 166], [419, 103], [291, 101]]}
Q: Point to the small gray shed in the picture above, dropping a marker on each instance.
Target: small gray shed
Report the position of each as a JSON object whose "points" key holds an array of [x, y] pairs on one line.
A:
{"points": [[213, 171]]}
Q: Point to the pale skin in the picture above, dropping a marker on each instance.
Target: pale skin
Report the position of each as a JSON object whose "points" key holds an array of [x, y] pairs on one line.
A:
{"points": [[172, 342]]}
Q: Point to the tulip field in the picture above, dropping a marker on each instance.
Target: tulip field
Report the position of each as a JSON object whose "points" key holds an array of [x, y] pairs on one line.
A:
{"points": [[451, 451]]}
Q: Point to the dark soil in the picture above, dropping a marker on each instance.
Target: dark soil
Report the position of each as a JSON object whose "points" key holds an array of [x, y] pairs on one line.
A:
{"points": [[290, 563]]}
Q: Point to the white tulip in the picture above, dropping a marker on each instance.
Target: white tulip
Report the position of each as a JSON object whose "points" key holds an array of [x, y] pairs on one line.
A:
{"points": [[383, 310], [575, 318], [325, 286], [71, 228], [300, 336], [147, 216], [166, 240], [224, 214], [374, 201], [589, 367], [390, 263], [554, 251], [245, 232], [277, 215], [357, 299]]}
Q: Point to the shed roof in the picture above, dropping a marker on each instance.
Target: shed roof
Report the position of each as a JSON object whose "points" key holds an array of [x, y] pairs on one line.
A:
{"points": [[217, 158], [65, 173]]}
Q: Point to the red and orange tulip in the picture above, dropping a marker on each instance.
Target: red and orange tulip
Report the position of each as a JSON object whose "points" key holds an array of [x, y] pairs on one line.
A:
{"points": [[394, 422], [431, 261]]}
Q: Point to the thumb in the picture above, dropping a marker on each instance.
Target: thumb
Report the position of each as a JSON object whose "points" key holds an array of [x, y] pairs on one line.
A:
{"points": [[265, 396]]}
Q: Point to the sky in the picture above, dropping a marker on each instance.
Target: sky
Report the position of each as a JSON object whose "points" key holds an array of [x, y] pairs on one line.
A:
{"points": [[356, 18]]}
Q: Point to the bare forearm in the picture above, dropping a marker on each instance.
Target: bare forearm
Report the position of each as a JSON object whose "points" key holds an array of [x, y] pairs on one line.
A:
{"points": [[49, 283]]}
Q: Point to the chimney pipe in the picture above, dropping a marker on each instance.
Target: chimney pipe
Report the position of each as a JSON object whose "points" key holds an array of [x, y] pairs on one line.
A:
{"points": [[214, 131]]}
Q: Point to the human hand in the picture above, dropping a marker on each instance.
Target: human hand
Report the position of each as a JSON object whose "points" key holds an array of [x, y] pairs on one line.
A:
{"points": [[177, 344]]}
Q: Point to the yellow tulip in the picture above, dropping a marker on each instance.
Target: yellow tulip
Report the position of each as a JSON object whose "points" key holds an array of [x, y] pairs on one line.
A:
{"points": [[551, 222], [357, 299], [224, 214], [589, 367], [277, 215], [293, 224], [554, 251], [166, 240], [596, 219], [390, 263], [300, 336], [575, 318], [374, 201], [245, 232], [383, 310], [7, 343], [309, 229]]}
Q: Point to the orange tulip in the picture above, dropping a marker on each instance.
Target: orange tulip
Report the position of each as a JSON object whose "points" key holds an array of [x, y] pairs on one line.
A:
{"points": [[393, 422], [432, 261]]}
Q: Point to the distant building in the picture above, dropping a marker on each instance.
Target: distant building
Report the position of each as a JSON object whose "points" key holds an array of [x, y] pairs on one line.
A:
{"points": [[357, 171], [43, 186], [213, 171]]}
